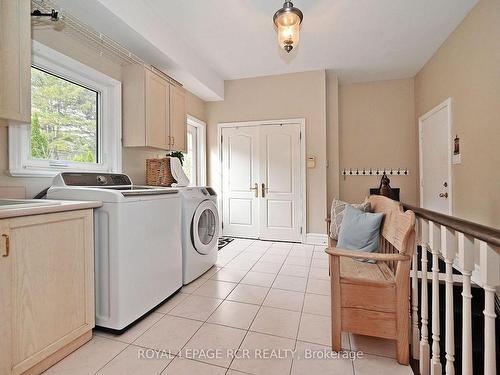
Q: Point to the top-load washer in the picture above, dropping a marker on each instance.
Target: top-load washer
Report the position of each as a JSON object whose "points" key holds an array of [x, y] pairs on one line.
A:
{"points": [[200, 231], [138, 245]]}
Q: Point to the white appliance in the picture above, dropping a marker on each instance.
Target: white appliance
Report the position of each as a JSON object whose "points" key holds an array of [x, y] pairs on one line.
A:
{"points": [[200, 231], [138, 245]]}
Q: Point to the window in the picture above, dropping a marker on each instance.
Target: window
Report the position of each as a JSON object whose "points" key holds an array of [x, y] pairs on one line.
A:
{"points": [[194, 158], [190, 158], [64, 119], [75, 119]]}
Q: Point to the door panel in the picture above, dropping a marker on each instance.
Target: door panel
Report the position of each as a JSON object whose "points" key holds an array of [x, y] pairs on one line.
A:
{"points": [[5, 300], [157, 111], [240, 174], [280, 209], [435, 181], [178, 119]]}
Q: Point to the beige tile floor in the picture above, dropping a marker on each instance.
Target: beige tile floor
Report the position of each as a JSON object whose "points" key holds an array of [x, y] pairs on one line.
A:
{"points": [[261, 296]]}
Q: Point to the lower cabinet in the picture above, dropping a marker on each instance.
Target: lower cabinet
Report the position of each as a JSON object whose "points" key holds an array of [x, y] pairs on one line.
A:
{"points": [[46, 289]]}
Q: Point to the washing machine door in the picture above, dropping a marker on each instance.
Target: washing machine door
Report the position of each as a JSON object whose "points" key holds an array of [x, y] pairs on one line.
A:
{"points": [[205, 227]]}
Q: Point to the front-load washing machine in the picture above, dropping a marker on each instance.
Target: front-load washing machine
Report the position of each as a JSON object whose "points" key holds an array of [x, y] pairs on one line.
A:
{"points": [[200, 231]]}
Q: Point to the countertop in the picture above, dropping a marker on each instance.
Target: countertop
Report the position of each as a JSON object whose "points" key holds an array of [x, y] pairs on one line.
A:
{"points": [[39, 210]]}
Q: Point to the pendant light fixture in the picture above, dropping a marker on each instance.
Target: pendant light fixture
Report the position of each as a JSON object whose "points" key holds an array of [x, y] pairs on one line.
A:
{"points": [[287, 21]]}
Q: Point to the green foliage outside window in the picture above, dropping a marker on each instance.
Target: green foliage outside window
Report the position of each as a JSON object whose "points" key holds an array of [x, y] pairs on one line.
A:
{"points": [[64, 119]]}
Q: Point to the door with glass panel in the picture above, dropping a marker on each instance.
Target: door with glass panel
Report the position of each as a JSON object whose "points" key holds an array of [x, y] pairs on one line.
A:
{"points": [[261, 178], [191, 156]]}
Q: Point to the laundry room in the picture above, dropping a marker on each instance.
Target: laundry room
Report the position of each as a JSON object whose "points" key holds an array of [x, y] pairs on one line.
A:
{"points": [[249, 187]]}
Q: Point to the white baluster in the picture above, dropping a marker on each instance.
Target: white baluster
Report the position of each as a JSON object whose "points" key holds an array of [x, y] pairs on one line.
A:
{"points": [[424, 311], [414, 307], [434, 240], [489, 264], [466, 264], [449, 249]]}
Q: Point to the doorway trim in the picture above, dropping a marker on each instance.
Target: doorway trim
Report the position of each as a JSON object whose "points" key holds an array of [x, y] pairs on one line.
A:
{"points": [[303, 171], [446, 104]]}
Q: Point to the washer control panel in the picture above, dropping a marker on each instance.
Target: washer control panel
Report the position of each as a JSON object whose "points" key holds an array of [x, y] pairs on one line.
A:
{"points": [[95, 179]]}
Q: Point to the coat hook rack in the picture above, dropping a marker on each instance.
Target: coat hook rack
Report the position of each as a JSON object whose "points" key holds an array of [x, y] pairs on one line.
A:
{"points": [[375, 171]]}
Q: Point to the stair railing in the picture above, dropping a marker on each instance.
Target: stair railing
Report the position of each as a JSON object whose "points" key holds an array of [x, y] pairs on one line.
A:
{"points": [[470, 248]]}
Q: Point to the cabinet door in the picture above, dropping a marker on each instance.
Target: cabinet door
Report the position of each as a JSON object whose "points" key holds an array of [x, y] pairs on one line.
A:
{"points": [[5, 300], [157, 111], [15, 57], [52, 284], [178, 119]]}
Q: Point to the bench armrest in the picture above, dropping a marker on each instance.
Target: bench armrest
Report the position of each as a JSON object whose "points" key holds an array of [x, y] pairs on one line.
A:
{"points": [[366, 255]]}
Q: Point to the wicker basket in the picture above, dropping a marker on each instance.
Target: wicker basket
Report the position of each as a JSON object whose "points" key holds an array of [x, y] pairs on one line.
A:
{"points": [[158, 172]]}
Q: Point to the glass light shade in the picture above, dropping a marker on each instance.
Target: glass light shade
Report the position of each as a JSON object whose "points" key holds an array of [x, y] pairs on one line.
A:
{"points": [[288, 25]]}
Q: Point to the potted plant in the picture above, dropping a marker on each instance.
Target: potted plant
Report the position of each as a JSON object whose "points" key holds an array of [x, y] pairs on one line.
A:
{"points": [[177, 154]]}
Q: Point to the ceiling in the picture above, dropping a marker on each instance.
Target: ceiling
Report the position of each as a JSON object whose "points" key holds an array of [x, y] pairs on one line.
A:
{"points": [[203, 43]]}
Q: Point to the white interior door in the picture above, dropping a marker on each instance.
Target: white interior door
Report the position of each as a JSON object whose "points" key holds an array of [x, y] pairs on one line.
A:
{"points": [[261, 179], [280, 203], [435, 159], [240, 178]]}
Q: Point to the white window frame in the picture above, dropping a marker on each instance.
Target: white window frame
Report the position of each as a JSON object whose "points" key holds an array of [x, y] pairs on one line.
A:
{"points": [[109, 122], [201, 147]]}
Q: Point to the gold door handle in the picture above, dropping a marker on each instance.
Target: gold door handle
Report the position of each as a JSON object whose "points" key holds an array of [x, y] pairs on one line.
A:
{"points": [[7, 245], [173, 141], [443, 195], [264, 190], [169, 140], [256, 188]]}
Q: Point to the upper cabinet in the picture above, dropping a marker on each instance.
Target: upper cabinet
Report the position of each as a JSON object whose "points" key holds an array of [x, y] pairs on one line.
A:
{"points": [[15, 60], [178, 118], [154, 110]]}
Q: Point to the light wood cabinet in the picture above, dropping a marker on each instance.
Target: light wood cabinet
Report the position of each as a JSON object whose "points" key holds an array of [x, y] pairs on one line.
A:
{"points": [[178, 119], [157, 111], [15, 61], [154, 110], [47, 289]]}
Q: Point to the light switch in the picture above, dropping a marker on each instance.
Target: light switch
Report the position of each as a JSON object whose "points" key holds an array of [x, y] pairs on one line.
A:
{"points": [[311, 162]]}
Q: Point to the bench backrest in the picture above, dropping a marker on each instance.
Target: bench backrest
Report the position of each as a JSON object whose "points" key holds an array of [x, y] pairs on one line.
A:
{"points": [[398, 227]]}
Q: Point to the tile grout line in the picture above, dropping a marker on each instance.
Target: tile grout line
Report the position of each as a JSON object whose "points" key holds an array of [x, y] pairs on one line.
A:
{"points": [[204, 322], [302, 310], [248, 330]]}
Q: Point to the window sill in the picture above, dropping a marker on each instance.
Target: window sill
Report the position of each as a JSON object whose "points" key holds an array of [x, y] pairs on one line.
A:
{"points": [[32, 173], [48, 173]]}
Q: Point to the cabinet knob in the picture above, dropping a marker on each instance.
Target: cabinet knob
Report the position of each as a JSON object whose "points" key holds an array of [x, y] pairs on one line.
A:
{"points": [[7, 245]]}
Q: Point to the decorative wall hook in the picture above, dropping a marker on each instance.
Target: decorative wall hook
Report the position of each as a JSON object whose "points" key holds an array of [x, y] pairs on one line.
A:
{"points": [[375, 171]]}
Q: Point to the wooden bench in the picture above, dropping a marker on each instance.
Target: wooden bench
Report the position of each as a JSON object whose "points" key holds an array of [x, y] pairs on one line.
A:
{"points": [[373, 298]]}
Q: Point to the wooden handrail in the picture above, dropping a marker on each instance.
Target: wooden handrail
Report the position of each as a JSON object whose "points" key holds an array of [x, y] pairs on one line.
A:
{"points": [[481, 232]]}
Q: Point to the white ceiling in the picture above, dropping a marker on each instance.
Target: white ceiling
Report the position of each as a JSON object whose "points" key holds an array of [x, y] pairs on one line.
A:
{"points": [[203, 43]]}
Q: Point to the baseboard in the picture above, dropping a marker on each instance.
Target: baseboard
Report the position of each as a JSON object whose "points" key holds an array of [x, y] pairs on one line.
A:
{"points": [[316, 239]]}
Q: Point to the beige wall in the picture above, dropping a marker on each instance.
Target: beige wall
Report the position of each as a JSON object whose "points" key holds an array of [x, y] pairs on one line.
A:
{"points": [[467, 69], [332, 136], [133, 159], [278, 97], [376, 121]]}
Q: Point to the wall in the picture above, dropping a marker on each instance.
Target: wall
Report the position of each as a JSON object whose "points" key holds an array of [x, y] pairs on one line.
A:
{"points": [[133, 159], [332, 136], [376, 129], [278, 97], [467, 69]]}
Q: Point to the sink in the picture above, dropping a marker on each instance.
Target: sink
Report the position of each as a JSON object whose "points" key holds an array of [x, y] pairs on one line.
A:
{"points": [[25, 203]]}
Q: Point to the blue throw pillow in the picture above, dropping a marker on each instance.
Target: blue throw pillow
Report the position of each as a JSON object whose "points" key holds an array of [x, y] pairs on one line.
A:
{"points": [[360, 230]]}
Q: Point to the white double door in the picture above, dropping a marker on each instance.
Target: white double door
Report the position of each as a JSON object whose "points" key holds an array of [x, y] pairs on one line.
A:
{"points": [[261, 177]]}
